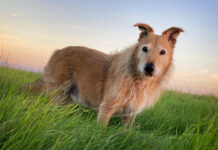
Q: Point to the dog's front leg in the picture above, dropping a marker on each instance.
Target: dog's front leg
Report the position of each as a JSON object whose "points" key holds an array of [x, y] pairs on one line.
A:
{"points": [[129, 120], [107, 109]]}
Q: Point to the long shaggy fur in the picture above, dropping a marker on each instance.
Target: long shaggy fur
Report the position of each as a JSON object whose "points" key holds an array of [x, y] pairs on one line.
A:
{"points": [[115, 84]]}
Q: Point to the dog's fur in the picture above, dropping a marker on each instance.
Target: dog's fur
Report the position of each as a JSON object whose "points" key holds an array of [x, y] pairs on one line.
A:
{"points": [[112, 84]]}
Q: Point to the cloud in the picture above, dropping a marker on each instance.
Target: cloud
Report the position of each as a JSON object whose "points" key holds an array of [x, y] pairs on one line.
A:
{"points": [[204, 71], [83, 28], [15, 15], [214, 76], [77, 27]]}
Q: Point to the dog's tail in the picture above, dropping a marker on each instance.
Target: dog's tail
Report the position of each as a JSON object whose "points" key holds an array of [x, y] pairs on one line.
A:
{"points": [[35, 87]]}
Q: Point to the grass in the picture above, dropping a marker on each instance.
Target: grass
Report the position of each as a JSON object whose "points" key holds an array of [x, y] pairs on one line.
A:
{"points": [[177, 121]]}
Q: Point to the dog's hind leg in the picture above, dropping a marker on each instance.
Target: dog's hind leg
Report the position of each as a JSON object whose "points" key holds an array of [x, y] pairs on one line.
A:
{"points": [[35, 86], [68, 93]]}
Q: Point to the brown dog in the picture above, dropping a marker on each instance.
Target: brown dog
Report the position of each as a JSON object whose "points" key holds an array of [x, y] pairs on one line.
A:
{"points": [[121, 84]]}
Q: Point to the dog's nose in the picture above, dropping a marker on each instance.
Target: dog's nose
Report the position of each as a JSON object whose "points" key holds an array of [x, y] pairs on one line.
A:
{"points": [[149, 68]]}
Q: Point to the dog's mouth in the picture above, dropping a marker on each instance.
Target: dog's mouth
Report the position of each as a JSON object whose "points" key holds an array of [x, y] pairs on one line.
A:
{"points": [[148, 74]]}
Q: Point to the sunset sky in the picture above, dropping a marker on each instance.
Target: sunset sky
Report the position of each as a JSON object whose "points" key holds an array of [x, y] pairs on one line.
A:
{"points": [[31, 30]]}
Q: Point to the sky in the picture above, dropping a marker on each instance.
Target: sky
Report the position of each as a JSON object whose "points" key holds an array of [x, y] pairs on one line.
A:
{"points": [[31, 30]]}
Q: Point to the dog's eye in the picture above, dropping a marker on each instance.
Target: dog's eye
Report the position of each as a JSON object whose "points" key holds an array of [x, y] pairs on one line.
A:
{"points": [[145, 49], [162, 52]]}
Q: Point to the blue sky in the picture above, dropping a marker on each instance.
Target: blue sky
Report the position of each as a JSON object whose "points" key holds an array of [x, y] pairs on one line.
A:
{"points": [[34, 29]]}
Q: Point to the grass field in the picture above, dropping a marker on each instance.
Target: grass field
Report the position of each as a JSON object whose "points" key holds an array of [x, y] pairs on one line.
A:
{"points": [[177, 121]]}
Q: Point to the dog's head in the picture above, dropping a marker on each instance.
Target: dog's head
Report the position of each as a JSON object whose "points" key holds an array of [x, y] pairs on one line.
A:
{"points": [[154, 52]]}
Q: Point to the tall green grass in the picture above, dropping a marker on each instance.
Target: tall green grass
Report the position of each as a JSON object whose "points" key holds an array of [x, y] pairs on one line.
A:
{"points": [[177, 121]]}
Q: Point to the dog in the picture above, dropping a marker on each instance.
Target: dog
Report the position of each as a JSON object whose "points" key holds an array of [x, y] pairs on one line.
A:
{"points": [[121, 84]]}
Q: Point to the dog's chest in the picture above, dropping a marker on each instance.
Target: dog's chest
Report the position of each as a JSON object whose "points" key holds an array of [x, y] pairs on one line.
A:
{"points": [[141, 97]]}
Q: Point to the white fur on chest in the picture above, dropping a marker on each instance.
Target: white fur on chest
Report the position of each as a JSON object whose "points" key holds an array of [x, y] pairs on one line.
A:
{"points": [[143, 98], [146, 102]]}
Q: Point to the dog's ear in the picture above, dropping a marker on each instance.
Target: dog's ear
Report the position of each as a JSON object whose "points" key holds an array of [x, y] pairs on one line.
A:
{"points": [[172, 34], [144, 28]]}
